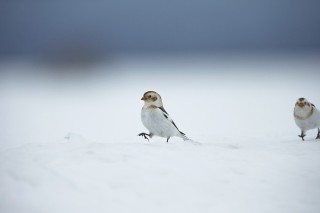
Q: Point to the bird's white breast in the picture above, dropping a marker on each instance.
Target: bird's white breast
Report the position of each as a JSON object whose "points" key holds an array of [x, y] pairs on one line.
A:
{"points": [[156, 123], [309, 122]]}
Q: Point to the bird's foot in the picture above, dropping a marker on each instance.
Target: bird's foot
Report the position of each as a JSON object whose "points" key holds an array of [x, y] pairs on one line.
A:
{"points": [[318, 136], [302, 136], [144, 135]]}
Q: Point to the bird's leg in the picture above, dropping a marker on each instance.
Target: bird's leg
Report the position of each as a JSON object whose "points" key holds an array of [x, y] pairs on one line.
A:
{"points": [[318, 136], [302, 135], [145, 135], [168, 139]]}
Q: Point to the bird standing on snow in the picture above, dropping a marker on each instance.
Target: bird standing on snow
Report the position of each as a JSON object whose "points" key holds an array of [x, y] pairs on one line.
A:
{"points": [[306, 116], [155, 118]]}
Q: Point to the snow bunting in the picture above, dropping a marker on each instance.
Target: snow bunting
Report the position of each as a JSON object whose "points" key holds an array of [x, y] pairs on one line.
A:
{"points": [[156, 119], [306, 116]]}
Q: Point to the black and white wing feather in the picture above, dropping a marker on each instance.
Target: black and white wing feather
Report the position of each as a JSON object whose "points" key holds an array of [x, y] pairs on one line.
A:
{"points": [[166, 115]]}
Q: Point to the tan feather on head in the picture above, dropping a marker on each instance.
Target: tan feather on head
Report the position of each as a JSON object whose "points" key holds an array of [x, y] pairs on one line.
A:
{"points": [[152, 98]]}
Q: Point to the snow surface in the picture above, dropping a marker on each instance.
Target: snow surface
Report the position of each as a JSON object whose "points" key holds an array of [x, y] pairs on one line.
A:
{"points": [[70, 144]]}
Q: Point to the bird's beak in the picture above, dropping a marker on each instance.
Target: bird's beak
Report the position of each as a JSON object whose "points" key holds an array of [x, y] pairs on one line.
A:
{"points": [[143, 98], [301, 104]]}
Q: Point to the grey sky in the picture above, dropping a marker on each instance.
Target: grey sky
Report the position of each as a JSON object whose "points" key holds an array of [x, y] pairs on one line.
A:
{"points": [[37, 26]]}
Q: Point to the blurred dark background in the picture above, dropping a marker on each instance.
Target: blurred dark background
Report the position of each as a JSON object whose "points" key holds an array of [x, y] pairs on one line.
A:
{"points": [[92, 29]]}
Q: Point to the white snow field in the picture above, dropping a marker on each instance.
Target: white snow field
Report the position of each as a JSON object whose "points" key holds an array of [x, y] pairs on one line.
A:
{"points": [[69, 144]]}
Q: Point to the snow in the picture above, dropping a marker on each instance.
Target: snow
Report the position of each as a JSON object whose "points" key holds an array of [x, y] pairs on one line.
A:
{"points": [[70, 144]]}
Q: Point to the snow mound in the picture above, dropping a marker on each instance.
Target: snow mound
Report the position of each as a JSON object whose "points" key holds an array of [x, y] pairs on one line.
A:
{"points": [[77, 175]]}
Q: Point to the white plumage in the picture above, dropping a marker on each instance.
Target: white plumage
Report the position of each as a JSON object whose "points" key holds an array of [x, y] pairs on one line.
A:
{"points": [[306, 116], [155, 118]]}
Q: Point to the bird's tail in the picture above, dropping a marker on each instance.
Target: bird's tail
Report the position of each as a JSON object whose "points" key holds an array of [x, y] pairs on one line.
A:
{"points": [[183, 136]]}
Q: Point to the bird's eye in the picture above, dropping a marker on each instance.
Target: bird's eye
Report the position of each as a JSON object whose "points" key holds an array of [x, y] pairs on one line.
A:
{"points": [[149, 96]]}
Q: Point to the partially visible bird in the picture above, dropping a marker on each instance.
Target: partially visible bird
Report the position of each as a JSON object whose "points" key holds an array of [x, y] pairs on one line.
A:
{"points": [[156, 119], [306, 116]]}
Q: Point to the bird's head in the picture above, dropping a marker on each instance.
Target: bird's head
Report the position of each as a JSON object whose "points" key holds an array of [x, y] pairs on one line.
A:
{"points": [[302, 102], [152, 98]]}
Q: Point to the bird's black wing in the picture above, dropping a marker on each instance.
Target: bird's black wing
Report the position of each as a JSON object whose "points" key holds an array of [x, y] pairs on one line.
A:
{"points": [[166, 115], [163, 110]]}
